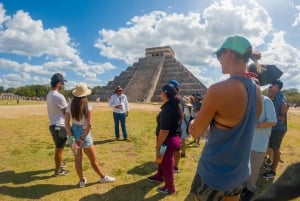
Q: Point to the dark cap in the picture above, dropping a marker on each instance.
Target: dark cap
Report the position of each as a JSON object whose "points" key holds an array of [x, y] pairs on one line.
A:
{"points": [[278, 83], [56, 78], [169, 89]]}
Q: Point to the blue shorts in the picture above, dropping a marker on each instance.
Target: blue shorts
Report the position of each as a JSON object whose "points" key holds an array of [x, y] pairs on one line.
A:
{"points": [[77, 131]]}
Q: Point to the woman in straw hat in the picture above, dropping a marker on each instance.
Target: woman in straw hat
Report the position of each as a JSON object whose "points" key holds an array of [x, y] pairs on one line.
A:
{"points": [[231, 108], [80, 113]]}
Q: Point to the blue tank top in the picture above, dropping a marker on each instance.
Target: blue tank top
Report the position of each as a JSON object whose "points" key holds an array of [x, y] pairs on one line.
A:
{"points": [[225, 161]]}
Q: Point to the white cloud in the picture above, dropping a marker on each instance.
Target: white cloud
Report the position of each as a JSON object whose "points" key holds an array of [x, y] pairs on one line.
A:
{"points": [[26, 37], [297, 18], [194, 36], [286, 57]]}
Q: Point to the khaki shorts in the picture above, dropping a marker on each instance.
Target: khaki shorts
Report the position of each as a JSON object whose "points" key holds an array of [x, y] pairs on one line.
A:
{"points": [[203, 192]]}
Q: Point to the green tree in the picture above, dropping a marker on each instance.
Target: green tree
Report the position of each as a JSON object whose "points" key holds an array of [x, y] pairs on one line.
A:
{"points": [[26, 91], [96, 89], [40, 90], [1, 89], [10, 90]]}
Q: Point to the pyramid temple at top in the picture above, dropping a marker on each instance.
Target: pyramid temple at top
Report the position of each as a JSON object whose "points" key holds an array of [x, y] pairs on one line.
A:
{"points": [[144, 78]]}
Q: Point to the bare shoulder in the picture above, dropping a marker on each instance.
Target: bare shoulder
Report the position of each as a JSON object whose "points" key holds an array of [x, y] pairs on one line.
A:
{"points": [[226, 87]]}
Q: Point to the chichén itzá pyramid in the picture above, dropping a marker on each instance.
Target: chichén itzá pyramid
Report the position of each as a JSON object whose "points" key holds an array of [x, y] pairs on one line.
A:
{"points": [[144, 78]]}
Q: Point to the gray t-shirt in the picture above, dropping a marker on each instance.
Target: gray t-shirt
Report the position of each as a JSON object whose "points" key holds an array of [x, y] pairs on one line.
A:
{"points": [[56, 102]]}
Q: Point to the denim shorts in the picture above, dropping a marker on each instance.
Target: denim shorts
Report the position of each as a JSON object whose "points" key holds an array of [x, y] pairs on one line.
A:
{"points": [[59, 135], [77, 131]]}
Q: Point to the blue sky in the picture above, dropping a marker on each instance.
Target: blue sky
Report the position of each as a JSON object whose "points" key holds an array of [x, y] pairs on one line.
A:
{"points": [[93, 41]]}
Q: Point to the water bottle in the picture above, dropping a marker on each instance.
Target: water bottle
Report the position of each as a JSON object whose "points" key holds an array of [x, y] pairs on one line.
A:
{"points": [[74, 146], [162, 152]]}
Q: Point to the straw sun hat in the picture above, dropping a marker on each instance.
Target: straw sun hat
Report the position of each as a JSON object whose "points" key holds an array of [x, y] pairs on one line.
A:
{"points": [[187, 101], [81, 90], [118, 88]]}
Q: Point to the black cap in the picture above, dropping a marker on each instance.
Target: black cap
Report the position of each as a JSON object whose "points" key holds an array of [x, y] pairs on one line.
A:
{"points": [[278, 83], [169, 89], [56, 78]]}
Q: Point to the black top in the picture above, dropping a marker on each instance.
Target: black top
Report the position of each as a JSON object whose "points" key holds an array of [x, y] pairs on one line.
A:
{"points": [[168, 119]]}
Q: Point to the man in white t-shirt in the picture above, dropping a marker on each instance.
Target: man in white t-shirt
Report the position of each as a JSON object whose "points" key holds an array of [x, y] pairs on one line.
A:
{"points": [[56, 106]]}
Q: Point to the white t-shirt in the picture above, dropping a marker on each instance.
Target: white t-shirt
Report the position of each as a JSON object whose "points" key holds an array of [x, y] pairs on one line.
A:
{"points": [[83, 120], [56, 102]]}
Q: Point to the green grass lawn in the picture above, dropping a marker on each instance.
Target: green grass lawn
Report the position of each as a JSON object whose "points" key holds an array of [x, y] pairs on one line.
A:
{"points": [[26, 167]]}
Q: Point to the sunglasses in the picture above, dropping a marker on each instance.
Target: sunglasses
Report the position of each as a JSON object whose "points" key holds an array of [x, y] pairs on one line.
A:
{"points": [[219, 53]]}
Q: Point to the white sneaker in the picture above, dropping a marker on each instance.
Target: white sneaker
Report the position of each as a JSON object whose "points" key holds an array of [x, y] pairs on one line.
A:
{"points": [[107, 179], [82, 183]]}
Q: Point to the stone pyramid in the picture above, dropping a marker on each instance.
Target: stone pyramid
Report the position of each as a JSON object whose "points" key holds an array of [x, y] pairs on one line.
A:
{"points": [[144, 78]]}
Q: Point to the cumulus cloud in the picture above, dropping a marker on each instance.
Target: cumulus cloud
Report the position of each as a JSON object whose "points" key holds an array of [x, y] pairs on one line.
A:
{"points": [[22, 36], [297, 18], [286, 57], [193, 37]]}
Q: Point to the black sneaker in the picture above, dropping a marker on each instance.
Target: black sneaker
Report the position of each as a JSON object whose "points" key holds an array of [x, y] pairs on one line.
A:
{"points": [[176, 170], [154, 180], [61, 172], [268, 161], [247, 195], [63, 165], [268, 167], [269, 175], [164, 191]]}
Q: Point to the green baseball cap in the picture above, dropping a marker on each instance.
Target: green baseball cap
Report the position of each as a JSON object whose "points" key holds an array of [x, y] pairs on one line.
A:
{"points": [[236, 43]]}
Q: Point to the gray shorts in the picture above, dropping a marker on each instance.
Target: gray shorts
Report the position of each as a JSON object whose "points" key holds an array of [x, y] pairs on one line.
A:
{"points": [[203, 192], [59, 135], [276, 139]]}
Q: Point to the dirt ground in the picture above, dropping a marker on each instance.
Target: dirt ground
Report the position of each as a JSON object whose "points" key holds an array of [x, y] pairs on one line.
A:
{"points": [[10, 111]]}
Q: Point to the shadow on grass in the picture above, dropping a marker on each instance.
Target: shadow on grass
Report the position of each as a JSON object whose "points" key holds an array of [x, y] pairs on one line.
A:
{"points": [[30, 192], [35, 191], [133, 191], [23, 177], [144, 169], [103, 141]]}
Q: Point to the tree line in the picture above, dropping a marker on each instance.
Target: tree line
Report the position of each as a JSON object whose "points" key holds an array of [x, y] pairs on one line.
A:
{"points": [[38, 91], [292, 95]]}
